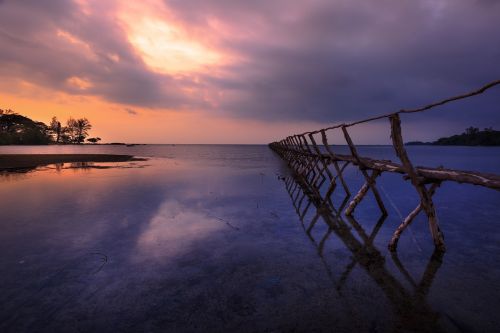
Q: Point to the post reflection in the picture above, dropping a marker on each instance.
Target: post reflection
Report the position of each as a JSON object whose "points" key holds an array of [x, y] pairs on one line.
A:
{"points": [[410, 307]]}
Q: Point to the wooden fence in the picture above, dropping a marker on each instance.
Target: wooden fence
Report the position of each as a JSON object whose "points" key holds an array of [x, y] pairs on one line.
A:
{"points": [[317, 163]]}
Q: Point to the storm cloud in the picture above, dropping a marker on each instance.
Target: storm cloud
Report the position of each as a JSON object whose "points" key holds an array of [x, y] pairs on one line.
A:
{"points": [[319, 60]]}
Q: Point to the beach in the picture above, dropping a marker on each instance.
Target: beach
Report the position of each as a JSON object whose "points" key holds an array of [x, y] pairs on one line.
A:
{"points": [[16, 161]]}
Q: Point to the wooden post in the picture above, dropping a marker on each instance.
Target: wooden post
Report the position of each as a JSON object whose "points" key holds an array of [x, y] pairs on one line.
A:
{"points": [[322, 170], [425, 196], [335, 163], [393, 244], [369, 180], [313, 161], [299, 159], [361, 194], [318, 151]]}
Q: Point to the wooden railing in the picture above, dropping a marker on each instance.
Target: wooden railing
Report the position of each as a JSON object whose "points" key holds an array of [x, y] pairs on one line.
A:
{"points": [[317, 163]]}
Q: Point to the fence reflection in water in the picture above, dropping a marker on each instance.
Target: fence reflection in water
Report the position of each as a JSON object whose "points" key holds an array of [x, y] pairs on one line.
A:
{"points": [[409, 305]]}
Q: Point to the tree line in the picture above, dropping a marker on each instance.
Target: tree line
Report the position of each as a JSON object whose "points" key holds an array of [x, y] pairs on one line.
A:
{"points": [[16, 129], [472, 136]]}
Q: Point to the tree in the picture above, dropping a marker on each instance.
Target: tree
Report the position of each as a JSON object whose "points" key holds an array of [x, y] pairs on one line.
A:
{"points": [[55, 129], [471, 130], [472, 137], [64, 137], [94, 140], [77, 129], [19, 130], [6, 111]]}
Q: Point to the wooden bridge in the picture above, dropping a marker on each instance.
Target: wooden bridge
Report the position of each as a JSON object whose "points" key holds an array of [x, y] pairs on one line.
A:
{"points": [[317, 164]]}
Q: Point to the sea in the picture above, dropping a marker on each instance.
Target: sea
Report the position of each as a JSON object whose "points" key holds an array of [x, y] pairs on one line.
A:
{"points": [[221, 238]]}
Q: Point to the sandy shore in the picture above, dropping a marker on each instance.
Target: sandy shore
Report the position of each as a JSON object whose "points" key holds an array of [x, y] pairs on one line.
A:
{"points": [[15, 161]]}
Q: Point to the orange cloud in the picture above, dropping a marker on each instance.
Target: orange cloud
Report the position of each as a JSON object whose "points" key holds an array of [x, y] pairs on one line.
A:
{"points": [[212, 71], [116, 123], [164, 45], [79, 83]]}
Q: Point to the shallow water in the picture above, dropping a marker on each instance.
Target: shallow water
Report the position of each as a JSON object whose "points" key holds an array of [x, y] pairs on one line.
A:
{"points": [[206, 238]]}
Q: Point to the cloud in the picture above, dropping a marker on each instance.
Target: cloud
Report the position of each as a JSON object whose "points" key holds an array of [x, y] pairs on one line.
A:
{"points": [[288, 59], [345, 60], [131, 111], [53, 44]]}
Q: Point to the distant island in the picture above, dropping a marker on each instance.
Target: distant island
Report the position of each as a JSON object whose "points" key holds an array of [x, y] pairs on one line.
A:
{"points": [[471, 137]]}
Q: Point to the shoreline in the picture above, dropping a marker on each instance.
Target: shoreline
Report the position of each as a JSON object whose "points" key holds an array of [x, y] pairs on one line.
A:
{"points": [[16, 161]]}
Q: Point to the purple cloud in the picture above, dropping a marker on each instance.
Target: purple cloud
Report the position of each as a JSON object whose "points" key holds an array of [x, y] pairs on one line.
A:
{"points": [[131, 111], [324, 60]]}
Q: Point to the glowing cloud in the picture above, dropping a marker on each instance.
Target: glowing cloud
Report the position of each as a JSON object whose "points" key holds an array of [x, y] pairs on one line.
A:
{"points": [[167, 48], [233, 71], [79, 83]]}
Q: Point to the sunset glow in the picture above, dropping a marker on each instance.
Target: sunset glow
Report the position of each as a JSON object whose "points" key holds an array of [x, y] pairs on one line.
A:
{"points": [[249, 166], [166, 49], [178, 71]]}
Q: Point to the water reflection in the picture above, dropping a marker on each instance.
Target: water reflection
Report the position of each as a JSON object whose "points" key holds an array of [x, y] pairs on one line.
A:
{"points": [[174, 228], [14, 173], [409, 304], [214, 244]]}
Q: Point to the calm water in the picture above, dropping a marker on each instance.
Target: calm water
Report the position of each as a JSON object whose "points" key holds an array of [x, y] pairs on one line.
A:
{"points": [[207, 239]]}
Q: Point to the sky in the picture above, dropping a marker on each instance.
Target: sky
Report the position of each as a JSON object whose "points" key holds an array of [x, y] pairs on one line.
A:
{"points": [[238, 71]]}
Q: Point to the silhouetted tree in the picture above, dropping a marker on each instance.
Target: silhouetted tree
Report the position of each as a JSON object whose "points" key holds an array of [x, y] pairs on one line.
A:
{"points": [[64, 137], [6, 111], [55, 129], [19, 130], [471, 130], [472, 137], [77, 129]]}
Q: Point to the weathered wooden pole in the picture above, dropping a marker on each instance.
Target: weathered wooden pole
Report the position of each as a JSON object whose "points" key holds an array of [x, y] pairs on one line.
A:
{"points": [[335, 163], [361, 194], [324, 169], [370, 180], [393, 244], [417, 182]]}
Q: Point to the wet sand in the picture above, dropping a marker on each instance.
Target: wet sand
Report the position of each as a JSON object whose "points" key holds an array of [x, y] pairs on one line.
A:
{"points": [[16, 161]]}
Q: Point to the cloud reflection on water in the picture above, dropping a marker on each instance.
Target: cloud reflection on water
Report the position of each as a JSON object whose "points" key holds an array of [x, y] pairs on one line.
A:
{"points": [[173, 263], [173, 228]]}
